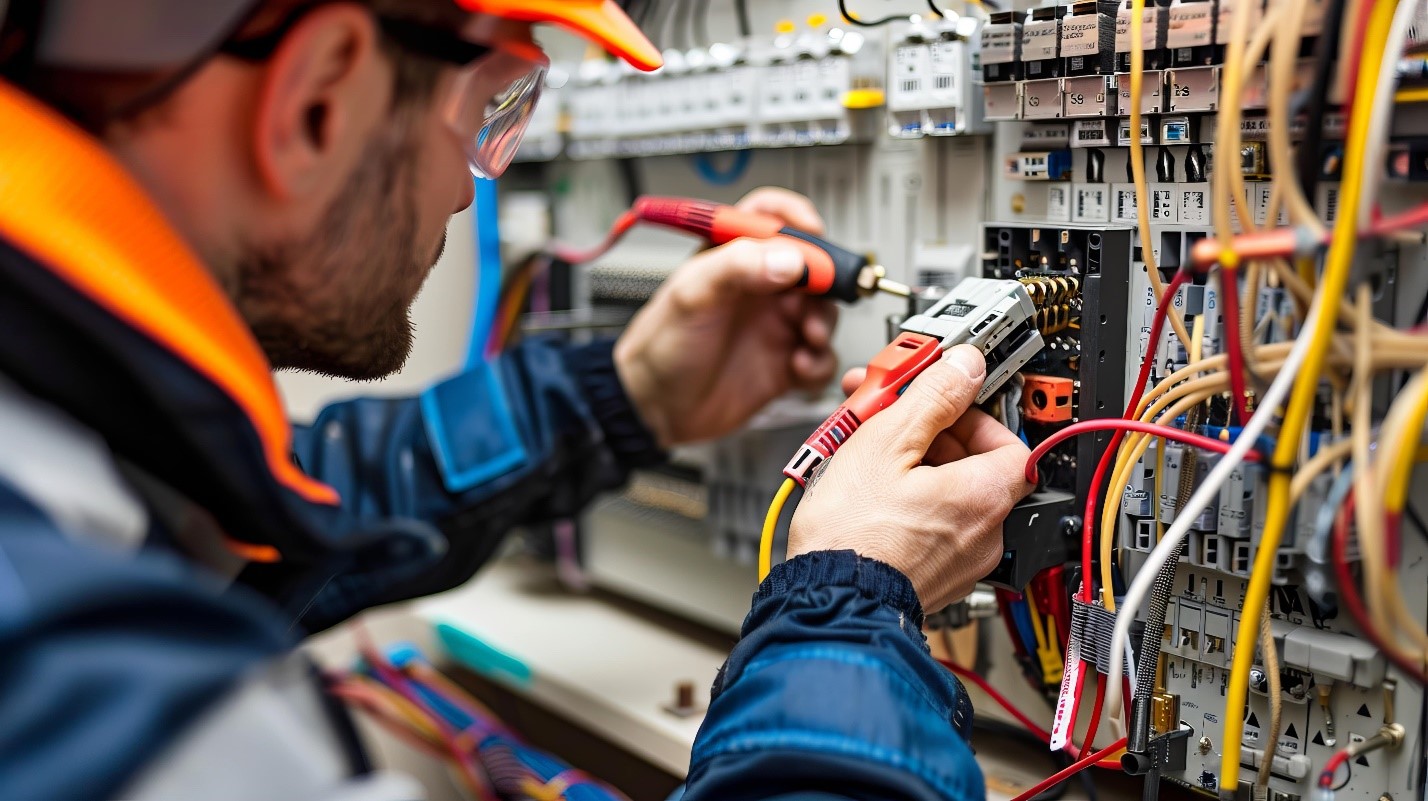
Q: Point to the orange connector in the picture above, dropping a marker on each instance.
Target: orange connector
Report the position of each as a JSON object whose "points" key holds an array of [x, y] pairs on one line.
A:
{"points": [[1047, 399]]}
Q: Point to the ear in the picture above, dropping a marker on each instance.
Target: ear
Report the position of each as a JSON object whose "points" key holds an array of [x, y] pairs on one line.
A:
{"points": [[320, 95]]}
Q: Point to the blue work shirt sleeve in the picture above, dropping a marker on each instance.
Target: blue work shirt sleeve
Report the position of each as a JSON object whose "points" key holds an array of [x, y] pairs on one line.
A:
{"points": [[833, 694], [527, 438]]}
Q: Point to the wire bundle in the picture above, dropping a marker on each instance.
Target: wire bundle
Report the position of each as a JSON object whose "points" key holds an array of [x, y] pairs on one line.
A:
{"points": [[1340, 344], [419, 705]]}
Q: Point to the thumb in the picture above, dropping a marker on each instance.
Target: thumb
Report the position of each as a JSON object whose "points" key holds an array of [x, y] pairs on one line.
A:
{"points": [[1001, 472], [934, 401], [853, 379], [743, 267]]}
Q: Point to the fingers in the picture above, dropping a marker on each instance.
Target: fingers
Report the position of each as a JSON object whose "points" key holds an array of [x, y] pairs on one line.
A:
{"points": [[932, 404], [719, 276], [976, 432], [812, 369], [819, 320], [979, 432], [999, 474], [795, 209], [853, 379]]}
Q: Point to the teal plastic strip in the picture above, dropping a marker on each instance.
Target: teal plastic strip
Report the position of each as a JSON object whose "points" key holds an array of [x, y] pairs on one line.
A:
{"points": [[473, 652]]}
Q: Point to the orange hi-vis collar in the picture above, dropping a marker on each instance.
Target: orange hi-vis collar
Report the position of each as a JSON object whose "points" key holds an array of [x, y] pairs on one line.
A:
{"points": [[69, 205]]}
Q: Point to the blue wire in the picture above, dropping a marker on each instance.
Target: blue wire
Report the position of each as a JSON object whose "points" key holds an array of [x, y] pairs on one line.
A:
{"points": [[704, 166], [1021, 615], [488, 270]]}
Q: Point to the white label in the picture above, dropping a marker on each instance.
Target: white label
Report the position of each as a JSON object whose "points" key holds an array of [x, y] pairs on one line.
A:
{"points": [[1058, 203], [908, 82], [1191, 25], [1039, 40], [947, 59], [1124, 207], [1080, 35], [1091, 204], [1090, 133], [999, 44], [1066, 699], [1163, 208], [1123, 29], [1194, 206]]}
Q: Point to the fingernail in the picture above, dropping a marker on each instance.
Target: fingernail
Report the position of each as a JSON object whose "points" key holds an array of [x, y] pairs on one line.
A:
{"points": [[784, 265], [966, 359]]}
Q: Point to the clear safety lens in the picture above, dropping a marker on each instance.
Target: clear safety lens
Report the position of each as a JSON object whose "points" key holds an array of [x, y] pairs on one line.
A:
{"points": [[492, 107]]}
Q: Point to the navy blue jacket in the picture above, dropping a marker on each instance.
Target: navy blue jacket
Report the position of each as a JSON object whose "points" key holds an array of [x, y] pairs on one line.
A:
{"points": [[139, 461]]}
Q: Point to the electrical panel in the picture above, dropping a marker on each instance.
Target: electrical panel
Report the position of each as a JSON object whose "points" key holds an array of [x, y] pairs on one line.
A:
{"points": [[1096, 152]]}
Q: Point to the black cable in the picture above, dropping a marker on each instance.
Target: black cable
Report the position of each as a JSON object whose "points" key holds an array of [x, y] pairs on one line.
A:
{"points": [[932, 4], [843, 9], [1326, 52], [741, 10], [1415, 519]]}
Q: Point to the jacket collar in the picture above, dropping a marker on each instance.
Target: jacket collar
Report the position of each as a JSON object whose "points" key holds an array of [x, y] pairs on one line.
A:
{"points": [[68, 206]]}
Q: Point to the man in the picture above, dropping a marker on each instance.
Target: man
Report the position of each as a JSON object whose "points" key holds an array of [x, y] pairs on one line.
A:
{"points": [[193, 192]]}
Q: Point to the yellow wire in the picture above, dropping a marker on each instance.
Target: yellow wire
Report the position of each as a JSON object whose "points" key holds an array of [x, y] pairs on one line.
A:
{"points": [[770, 526], [1338, 266], [1399, 452], [1411, 95], [1038, 627]]}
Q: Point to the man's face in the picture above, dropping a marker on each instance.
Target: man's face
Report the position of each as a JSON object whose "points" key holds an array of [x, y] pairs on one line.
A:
{"points": [[338, 300]]}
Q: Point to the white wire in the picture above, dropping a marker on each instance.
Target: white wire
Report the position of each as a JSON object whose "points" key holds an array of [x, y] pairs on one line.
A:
{"points": [[1208, 492], [1381, 113]]}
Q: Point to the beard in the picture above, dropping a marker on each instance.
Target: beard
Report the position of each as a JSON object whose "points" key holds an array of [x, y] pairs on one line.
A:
{"points": [[338, 301]]}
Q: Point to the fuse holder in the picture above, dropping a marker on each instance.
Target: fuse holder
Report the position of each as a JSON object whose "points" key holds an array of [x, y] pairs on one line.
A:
{"points": [[1048, 399]]}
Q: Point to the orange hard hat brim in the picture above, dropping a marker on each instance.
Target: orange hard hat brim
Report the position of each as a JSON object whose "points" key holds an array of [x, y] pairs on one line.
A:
{"points": [[601, 21]]}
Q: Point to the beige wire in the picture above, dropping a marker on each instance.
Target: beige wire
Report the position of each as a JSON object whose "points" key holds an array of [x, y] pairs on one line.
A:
{"points": [[1386, 605], [1276, 700], [1284, 60]]}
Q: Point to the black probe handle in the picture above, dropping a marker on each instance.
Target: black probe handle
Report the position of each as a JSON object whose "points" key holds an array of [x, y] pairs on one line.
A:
{"points": [[829, 271]]}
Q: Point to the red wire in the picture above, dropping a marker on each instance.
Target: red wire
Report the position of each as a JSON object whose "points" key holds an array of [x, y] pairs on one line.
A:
{"points": [[1120, 426], [1354, 602], [1414, 217], [1088, 523], [1095, 724], [1021, 717], [1230, 290], [1002, 701], [622, 226], [1077, 767], [1326, 777]]}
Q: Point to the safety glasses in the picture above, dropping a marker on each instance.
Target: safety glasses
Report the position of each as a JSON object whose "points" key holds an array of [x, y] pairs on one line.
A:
{"points": [[491, 100], [493, 97]]}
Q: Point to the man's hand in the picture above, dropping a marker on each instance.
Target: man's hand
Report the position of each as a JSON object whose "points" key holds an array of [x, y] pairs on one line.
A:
{"points": [[924, 486], [727, 333]]}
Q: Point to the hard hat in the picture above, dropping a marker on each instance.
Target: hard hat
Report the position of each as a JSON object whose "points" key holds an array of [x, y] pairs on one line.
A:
{"points": [[145, 35], [601, 21]]}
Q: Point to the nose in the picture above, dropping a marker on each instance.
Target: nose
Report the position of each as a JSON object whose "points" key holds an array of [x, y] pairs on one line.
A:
{"points": [[468, 195]]}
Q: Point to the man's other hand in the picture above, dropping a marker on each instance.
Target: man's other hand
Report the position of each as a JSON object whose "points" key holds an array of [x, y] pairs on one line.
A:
{"points": [[924, 486], [728, 332]]}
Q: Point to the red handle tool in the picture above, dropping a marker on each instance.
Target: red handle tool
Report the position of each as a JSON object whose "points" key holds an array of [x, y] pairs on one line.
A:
{"points": [[889, 373], [828, 271]]}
